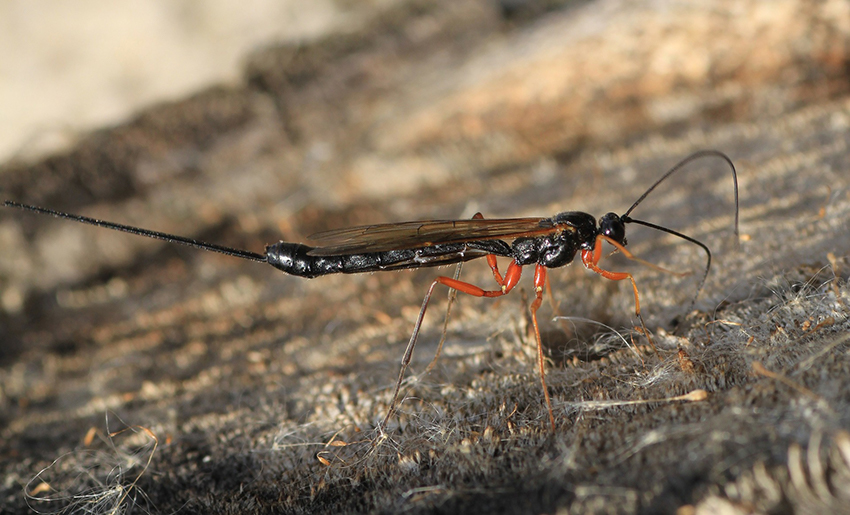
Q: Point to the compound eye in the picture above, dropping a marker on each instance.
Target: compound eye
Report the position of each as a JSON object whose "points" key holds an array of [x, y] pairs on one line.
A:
{"points": [[611, 226]]}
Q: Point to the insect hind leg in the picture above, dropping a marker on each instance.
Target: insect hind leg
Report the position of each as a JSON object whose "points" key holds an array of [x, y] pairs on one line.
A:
{"points": [[511, 278], [451, 299], [514, 272]]}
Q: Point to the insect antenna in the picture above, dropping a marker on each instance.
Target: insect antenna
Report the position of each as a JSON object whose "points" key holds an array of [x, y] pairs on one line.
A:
{"points": [[628, 219], [696, 155], [244, 254], [678, 166]]}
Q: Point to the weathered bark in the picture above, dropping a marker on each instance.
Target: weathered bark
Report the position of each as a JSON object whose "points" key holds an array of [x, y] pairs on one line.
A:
{"points": [[438, 110]]}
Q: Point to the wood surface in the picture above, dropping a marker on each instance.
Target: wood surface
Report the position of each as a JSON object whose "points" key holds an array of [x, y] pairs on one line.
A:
{"points": [[263, 391]]}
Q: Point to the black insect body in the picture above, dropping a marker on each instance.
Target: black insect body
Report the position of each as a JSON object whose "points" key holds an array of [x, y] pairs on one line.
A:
{"points": [[300, 260], [565, 234], [542, 242]]}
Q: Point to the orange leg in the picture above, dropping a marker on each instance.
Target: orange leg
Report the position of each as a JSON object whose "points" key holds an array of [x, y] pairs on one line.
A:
{"points": [[591, 258], [452, 297], [510, 280], [539, 284], [494, 266]]}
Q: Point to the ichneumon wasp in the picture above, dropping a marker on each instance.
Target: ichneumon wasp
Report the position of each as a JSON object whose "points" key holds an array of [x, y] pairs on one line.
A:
{"points": [[543, 242]]}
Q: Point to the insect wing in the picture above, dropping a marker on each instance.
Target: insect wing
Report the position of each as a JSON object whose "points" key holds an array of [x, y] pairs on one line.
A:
{"points": [[410, 235]]}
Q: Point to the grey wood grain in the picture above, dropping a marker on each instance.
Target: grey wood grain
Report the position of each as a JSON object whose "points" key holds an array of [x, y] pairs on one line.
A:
{"points": [[247, 377]]}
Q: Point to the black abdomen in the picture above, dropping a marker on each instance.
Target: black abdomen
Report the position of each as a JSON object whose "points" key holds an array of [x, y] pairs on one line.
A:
{"points": [[296, 259]]}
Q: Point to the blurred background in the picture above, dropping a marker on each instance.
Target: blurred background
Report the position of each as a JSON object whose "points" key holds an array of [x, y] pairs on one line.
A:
{"points": [[72, 68], [247, 123]]}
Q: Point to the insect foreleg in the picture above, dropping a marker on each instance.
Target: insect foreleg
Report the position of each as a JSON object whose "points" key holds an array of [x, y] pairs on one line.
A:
{"points": [[591, 258]]}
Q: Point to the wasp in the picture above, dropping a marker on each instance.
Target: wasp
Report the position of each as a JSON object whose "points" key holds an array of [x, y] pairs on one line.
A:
{"points": [[543, 243]]}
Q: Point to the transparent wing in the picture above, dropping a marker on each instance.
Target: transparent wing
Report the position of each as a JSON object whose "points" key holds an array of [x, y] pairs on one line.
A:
{"points": [[410, 235]]}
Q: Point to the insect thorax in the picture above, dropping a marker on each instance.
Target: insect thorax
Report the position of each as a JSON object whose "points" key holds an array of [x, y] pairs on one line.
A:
{"points": [[574, 230]]}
